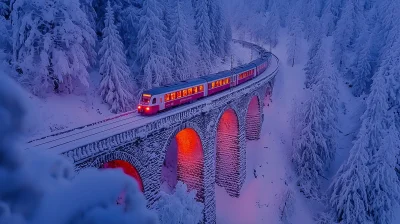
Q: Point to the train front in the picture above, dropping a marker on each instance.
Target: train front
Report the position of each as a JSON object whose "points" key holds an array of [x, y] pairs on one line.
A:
{"points": [[144, 106]]}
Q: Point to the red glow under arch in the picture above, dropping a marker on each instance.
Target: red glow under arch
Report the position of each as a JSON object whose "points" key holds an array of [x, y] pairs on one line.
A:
{"points": [[253, 119], [127, 168], [227, 152]]}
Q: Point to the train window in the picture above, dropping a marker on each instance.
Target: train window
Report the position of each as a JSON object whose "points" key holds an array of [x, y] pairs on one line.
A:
{"points": [[189, 91], [184, 92], [154, 101], [178, 94], [201, 88], [213, 85], [195, 89], [166, 97], [160, 100], [173, 96]]}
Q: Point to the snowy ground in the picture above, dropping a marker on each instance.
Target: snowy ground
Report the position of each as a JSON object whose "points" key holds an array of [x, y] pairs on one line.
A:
{"points": [[66, 111], [262, 197], [265, 190]]}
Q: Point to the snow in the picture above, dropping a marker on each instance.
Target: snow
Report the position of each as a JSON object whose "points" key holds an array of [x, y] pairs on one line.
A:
{"points": [[42, 188], [261, 199], [125, 123], [62, 112]]}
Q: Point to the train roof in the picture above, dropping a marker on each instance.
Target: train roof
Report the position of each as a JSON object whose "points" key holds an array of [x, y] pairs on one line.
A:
{"points": [[219, 75], [175, 86], [259, 61], [243, 68]]}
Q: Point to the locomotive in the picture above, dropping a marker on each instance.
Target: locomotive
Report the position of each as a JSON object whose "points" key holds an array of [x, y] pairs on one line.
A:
{"points": [[162, 98]]}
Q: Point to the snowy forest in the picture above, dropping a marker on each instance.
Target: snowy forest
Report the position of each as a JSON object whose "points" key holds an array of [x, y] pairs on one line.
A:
{"points": [[124, 47], [54, 46]]}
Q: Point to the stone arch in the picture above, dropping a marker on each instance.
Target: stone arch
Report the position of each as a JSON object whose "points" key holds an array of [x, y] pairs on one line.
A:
{"points": [[125, 159], [189, 147], [228, 152], [253, 118]]}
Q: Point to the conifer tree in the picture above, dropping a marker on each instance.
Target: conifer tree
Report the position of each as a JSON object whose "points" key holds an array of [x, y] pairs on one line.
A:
{"points": [[272, 25], [314, 64], [115, 86], [52, 44], [216, 27], [203, 34], [294, 38], [384, 190], [350, 190], [344, 36], [129, 29], [180, 47], [306, 155], [361, 69], [153, 54]]}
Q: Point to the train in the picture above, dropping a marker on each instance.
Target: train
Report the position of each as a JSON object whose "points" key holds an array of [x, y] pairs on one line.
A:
{"points": [[162, 98]]}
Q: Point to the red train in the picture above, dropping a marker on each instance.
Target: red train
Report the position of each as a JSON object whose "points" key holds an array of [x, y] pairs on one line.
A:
{"points": [[166, 97]]}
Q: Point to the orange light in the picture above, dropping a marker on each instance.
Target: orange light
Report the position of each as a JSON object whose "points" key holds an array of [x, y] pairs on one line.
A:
{"points": [[146, 95], [147, 108]]}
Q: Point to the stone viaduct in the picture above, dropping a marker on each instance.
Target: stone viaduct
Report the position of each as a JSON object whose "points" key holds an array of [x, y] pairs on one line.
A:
{"points": [[202, 144]]}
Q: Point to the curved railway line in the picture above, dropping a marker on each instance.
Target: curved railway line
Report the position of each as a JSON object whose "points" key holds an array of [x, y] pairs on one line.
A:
{"points": [[80, 136]]}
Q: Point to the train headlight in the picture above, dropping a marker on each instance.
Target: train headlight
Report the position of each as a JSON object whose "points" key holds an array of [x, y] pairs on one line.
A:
{"points": [[147, 108], [139, 107]]}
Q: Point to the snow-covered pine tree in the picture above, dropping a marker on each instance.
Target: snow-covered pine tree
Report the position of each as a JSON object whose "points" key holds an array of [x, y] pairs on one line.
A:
{"points": [[361, 69], [87, 7], [374, 20], [330, 15], [344, 36], [100, 9], [384, 190], [130, 28], [328, 85], [272, 25], [115, 86], [349, 192], [49, 200], [216, 27], [308, 145], [311, 11], [181, 58], [294, 38], [314, 64], [348, 196], [283, 7], [153, 54], [52, 43], [203, 35], [179, 207], [227, 38], [391, 52]]}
